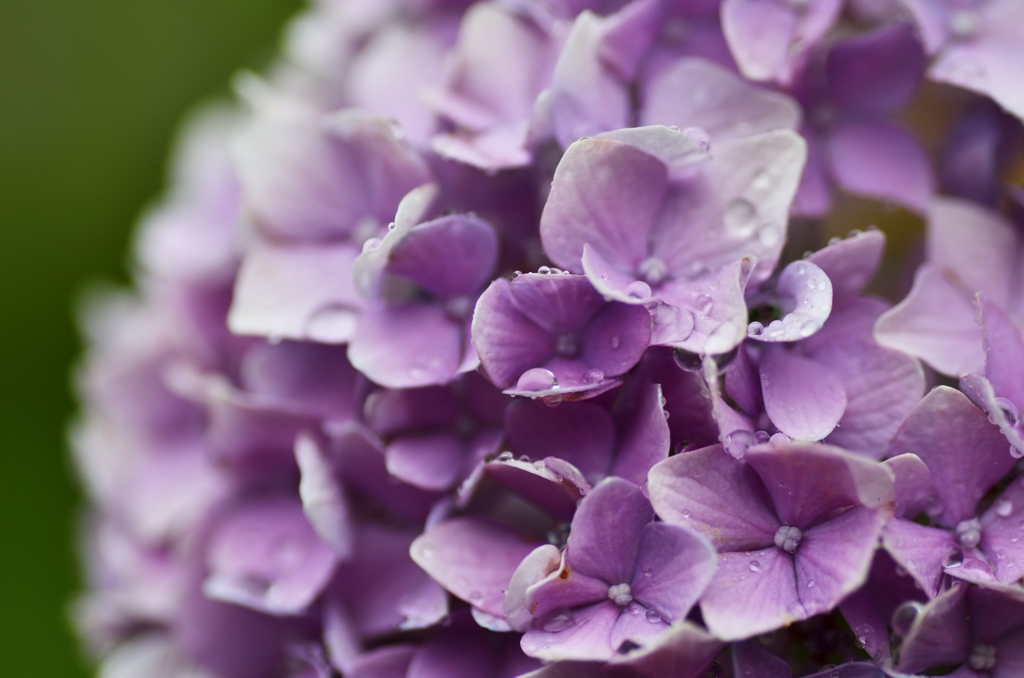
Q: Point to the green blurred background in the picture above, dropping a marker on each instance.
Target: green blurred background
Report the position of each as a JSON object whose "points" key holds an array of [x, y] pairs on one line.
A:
{"points": [[90, 94]]}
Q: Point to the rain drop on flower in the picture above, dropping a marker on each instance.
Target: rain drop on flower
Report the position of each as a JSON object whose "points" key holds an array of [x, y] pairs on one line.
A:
{"points": [[653, 616]]}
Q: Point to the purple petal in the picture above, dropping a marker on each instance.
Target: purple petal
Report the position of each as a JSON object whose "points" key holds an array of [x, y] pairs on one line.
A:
{"points": [[472, 558], [727, 107], [736, 206], [323, 499], [316, 181], [391, 661], [683, 651], [606, 531], [750, 661], [551, 487], [939, 635], [792, 471], [834, 558], [975, 248], [850, 264], [581, 635], [508, 342], [382, 589], [615, 338], [814, 194], [1004, 352], [716, 304], [461, 651], [1002, 536], [921, 551], [803, 397], [759, 36], [536, 566], [265, 555], [302, 376], [805, 297], [714, 495], [580, 433], [296, 292], [880, 160], [644, 438], [935, 323], [558, 303], [752, 592], [447, 257], [673, 568], [680, 152], [964, 452], [882, 386], [390, 412], [606, 194], [985, 63], [875, 72], [913, 484], [407, 346], [431, 461], [637, 625], [563, 588]]}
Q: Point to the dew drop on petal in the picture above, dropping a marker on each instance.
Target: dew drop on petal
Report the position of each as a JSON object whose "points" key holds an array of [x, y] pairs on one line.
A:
{"points": [[653, 616], [1015, 453], [475, 596], [737, 442], [1003, 507], [536, 379], [506, 456], [903, 617], [953, 559], [755, 566], [594, 376], [1008, 408], [615, 341], [740, 218], [558, 622], [755, 329], [704, 303], [638, 290]]}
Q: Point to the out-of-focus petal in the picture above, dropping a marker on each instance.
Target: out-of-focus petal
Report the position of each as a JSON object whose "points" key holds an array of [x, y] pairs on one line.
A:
{"points": [[695, 92], [448, 257], [876, 72], [880, 160], [472, 558], [851, 263], [407, 345], [323, 498]]}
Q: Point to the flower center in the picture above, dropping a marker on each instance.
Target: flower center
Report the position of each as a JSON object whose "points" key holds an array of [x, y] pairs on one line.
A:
{"points": [[566, 345], [964, 23], [983, 658], [968, 533], [788, 538], [620, 594], [652, 271]]}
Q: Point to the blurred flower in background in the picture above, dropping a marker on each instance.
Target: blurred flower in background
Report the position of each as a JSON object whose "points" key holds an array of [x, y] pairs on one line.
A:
{"points": [[521, 338]]}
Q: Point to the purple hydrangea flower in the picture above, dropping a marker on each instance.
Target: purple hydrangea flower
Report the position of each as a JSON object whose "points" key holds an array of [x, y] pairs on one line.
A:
{"points": [[787, 549]]}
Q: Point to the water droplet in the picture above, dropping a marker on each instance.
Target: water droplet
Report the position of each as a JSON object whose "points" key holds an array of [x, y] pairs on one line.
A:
{"points": [[525, 458], [963, 23], [539, 465], [371, 244], [810, 584], [647, 572], [638, 290], [762, 181], [755, 329], [1016, 454], [1014, 537], [704, 303], [516, 274], [865, 634], [779, 438], [594, 376], [769, 236], [737, 442], [475, 596], [615, 341], [544, 270], [506, 456], [934, 507], [755, 566], [954, 558], [808, 328], [1003, 507], [698, 136], [391, 226], [653, 616], [832, 242], [686, 513], [558, 622], [740, 218], [761, 437], [904, 615], [1008, 408], [690, 362], [536, 379]]}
